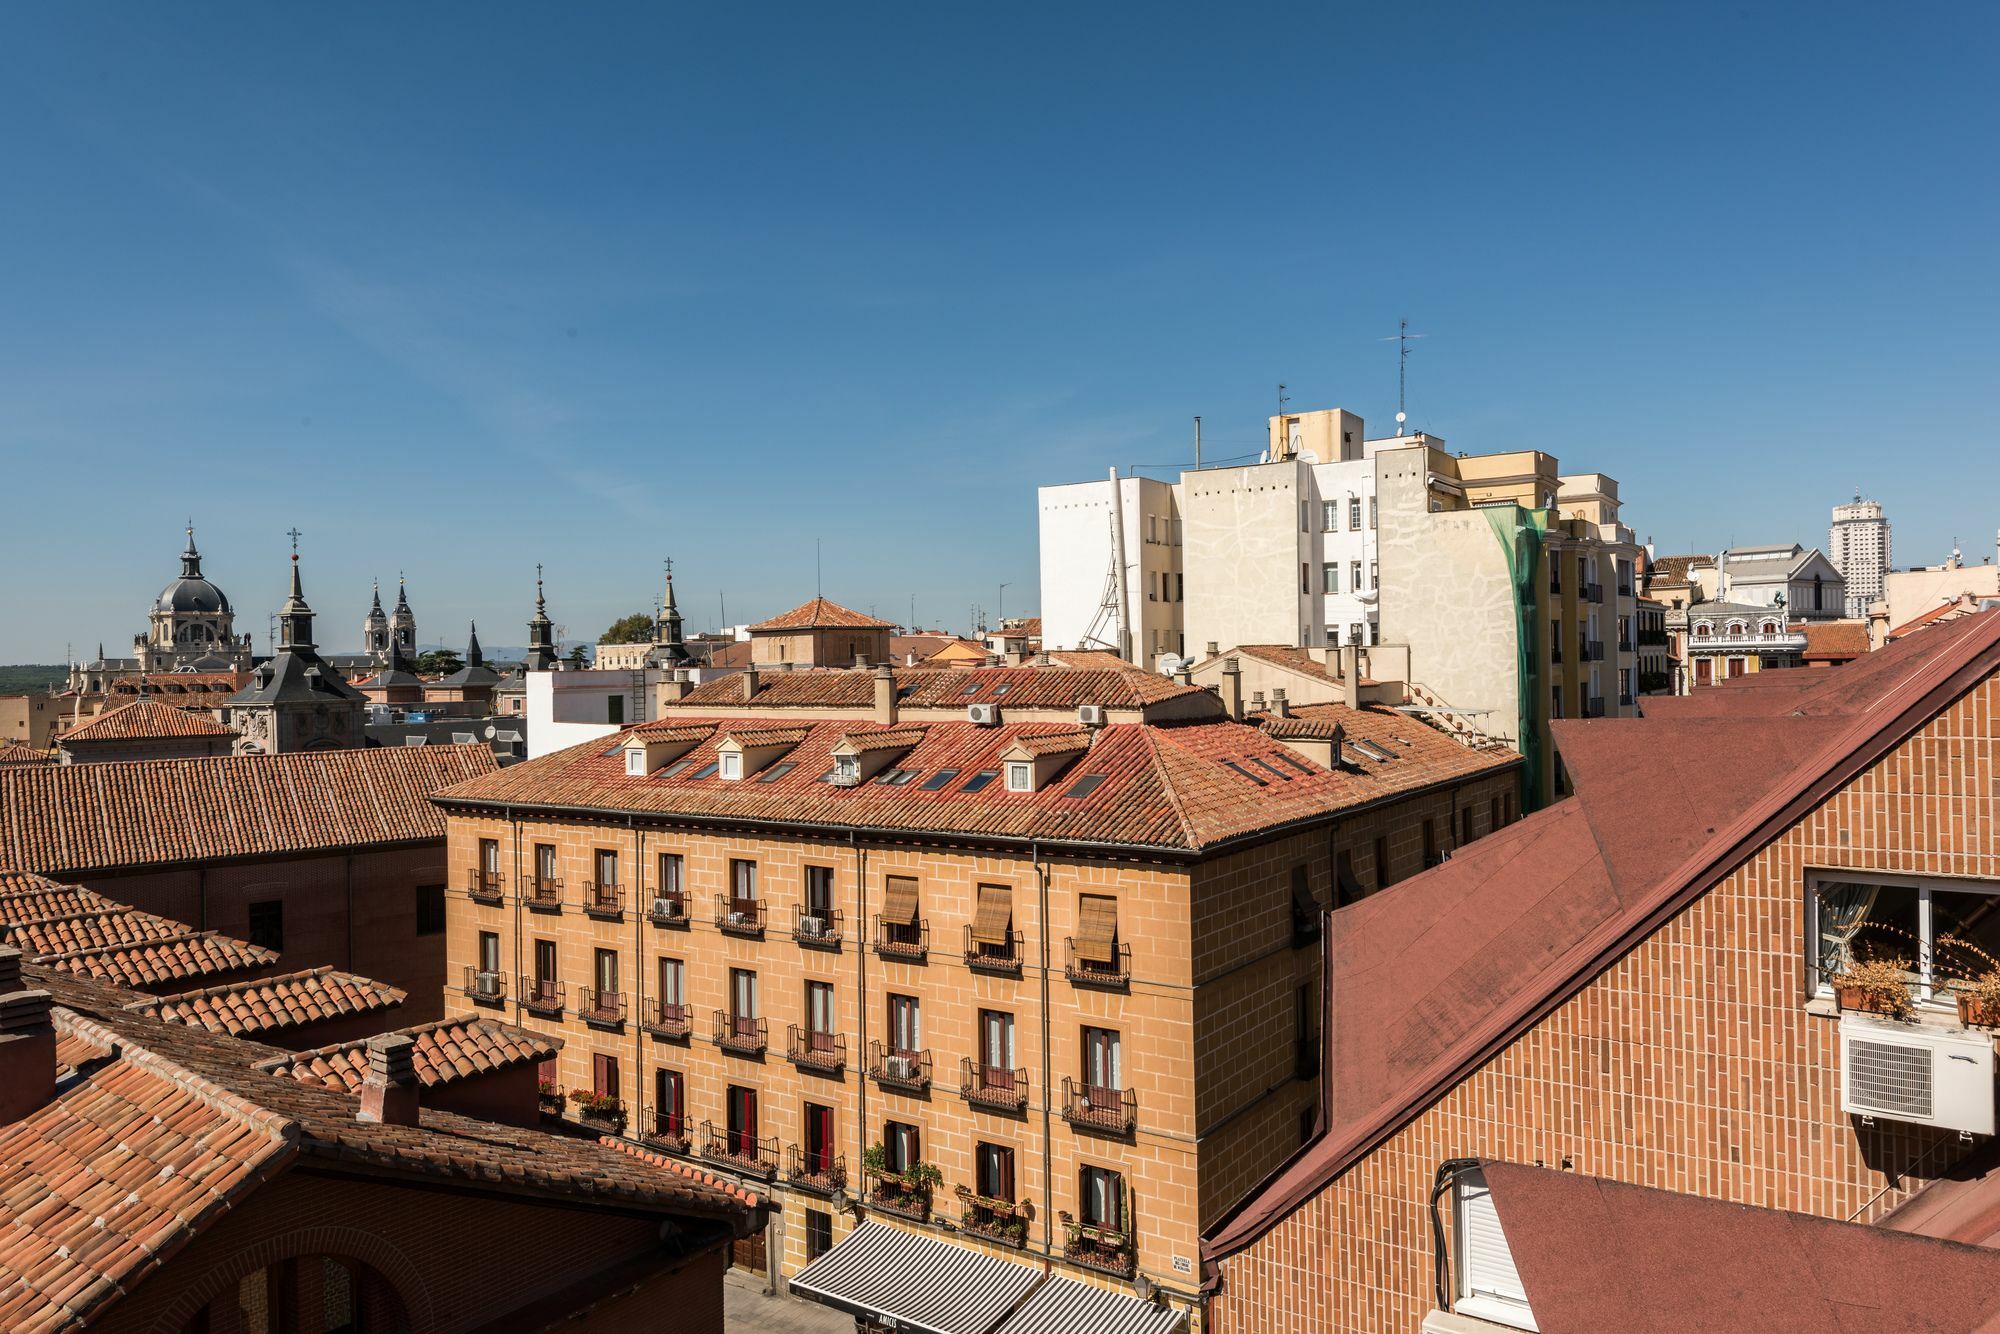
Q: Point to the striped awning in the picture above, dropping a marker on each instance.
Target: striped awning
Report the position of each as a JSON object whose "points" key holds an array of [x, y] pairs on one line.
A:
{"points": [[1065, 1306], [922, 1283]]}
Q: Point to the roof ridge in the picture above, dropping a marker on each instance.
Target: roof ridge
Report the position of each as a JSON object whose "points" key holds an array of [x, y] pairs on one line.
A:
{"points": [[1176, 806], [178, 939], [278, 1126], [154, 1003]]}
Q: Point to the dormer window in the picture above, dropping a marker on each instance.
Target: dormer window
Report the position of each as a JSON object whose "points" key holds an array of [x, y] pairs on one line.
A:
{"points": [[732, 765], [635, 762], [847, 769], [1020, 776]]}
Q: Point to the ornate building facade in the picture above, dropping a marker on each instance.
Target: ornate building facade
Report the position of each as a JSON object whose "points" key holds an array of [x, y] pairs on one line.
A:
{"points": [[297, 700], [190, 628]]}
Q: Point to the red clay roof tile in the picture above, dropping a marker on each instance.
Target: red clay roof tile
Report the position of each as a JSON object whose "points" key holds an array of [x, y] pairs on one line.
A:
{"points": [[272, 1004], [146, 718], [821, 614]]}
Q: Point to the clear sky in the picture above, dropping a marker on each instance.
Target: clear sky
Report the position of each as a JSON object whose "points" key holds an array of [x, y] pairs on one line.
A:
{"points": [[457, 288]]}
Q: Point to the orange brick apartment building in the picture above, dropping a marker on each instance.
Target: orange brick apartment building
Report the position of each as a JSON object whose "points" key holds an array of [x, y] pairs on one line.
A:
{"points": [[1028, 961], [1634, 986]]}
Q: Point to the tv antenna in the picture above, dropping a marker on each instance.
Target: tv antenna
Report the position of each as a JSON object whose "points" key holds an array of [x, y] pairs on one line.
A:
{"points": [[1282, 400], [1402, 338]]}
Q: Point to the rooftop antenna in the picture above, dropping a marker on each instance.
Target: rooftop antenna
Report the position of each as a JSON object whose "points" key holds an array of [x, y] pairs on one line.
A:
{"points": [[1197, 444], [1402, 338], [1282, 400], [816, 589]]}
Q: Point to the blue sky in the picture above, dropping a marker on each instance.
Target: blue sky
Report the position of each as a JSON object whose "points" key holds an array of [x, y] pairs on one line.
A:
{"points": [[460, 288]]}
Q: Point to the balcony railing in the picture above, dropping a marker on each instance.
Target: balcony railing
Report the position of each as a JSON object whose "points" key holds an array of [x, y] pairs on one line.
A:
{"points": [[989, 957], [908, 941], [994, 1087], [1624, 590], [818, 930], [1555, 653], [741, 1034], [1593, 650], [1795, 639], [605, 1009], [818, 1171], [1003, 1221], [484, 985], [739, 917], [541, 995], [666, 1019], [1096, 973], [483, 886], [666, 1130], [599, 1112], [1091, 1107], [898, 1195], [893, 1068], [1593, 593], [603, 901], [669, 908], [1594, 707], [822, 1053], [1625, 645], [740, 1152], [1094, 1246], [543, 895]]}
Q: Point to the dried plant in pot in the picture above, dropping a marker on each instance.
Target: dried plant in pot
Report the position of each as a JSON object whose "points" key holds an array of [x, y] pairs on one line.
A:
{"points": [[1979, 1000], [1876, 986]]}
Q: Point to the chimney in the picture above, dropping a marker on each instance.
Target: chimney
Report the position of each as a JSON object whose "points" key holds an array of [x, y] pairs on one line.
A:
{"points": [[27, 1043], [1350, 676], [1043, 659], [1232, 687], [1213, 649], [675, 687], [885, 694], [389, 1094], [1257, 701], [1333, 659], [750, 681], [1279, 705], [860, 660], [1185, 676]]}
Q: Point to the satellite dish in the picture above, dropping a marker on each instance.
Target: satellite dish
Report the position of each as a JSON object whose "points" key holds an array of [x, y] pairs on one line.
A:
{"points": [[1401, 417], [490, 730], [1171, 663]]}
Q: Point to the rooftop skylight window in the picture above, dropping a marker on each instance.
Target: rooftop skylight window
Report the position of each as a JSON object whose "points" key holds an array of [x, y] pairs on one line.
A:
{"points": [[939, 780], [1232, 764], [677, 767], [980, 780], [972, 689], [706, 771], [1371, 750], [895, 777], [614, 750], [1297, 763], [1265, 764], [1085, 785], [1001, 689], [777, 771]]}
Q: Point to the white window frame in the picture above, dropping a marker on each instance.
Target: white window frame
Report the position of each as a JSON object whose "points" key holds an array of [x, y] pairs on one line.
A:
{"points": [[1020, 776], [1469, 1191], [732, 765], [1927, 993]]}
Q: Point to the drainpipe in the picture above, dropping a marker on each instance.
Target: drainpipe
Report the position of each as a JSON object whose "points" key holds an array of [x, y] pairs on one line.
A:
{"points": [[637, 1017], [507, 813], [348, 891], [1048, 1161], [861, 993]]}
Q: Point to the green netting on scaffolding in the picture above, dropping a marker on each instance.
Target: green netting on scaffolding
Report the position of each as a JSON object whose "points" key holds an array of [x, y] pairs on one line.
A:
{"points": [[1521, 533]]}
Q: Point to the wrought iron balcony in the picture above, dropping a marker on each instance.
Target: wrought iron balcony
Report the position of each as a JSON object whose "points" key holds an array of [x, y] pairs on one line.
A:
{"points": [[599, 1111], [606, 902], [1095, 1246], [741, 1034], [822, 1053], [1091, 1107], [669, 908], [666, 1019], [1116, 972], [1593, 650], [817, 930], [543, 895], [1593, 593], [666, 1130], [991, 957], [1003, 1221], [485, 986], [740, 917], [541, 995], [484, 886], [821, 1172], [908, 941], [604, 1009], [899, 1195], [994, 1087], [904, 1071], [1594, 707], [740, 1152]]}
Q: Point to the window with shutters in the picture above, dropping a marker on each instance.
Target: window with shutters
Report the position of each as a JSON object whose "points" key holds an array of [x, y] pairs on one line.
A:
{"points": [[743, 885], [670, 1104], [906, 1029], [489, 952], [604, 1075], [1101, 1197], [819, 891], [901, 1146], [1095, 954], [742, 1103], [1103, 1061], [902, 928], [996, 1050], [991, 935], [1488, 1286], [993, 1170]]}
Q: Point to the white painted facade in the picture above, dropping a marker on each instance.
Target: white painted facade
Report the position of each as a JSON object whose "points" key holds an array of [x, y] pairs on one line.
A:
{"points": [[568, 708], [1859, 547]]}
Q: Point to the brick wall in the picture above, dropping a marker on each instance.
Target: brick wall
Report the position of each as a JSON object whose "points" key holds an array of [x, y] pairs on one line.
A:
{"points": [[1694, 1064], [454, 1261]]}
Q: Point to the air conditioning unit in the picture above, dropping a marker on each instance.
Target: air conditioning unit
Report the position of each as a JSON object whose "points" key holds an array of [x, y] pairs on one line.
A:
{"points": [[812, 926], [1090, 715], [900, 1067], [663, 907], [486, 984], [983, 715], [739, 918], [1908, 1072]]}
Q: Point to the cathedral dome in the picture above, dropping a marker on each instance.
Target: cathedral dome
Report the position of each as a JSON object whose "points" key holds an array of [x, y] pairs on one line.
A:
{"points": [[191, 593]]}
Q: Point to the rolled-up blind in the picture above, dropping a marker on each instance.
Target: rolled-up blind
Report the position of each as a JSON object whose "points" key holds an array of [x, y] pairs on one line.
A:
{"points": [[900, 908], [1097, 928], [994, 916]]}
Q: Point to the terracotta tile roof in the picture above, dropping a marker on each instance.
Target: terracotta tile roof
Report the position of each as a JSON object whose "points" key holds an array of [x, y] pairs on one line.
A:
{"points": [[948, 688], [171, 959], [1303, 661], [749, 737], [20, 753], [1053, 743], [1438, 974], [821, 614], [27, 897], [89, 929], [1418, 751], [1597, 1255], [1963, 1205], [446, 1050], [1949, 611], [172, 684], [144, 719], [1183, 787], [272, 1004], [1834, 641], [866, 743], [134, 1158], [78, 817], [1673, 570], [1094, 660]]}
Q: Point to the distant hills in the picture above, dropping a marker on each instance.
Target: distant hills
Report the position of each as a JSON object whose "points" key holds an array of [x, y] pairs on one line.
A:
{"points": [[32, 678]]}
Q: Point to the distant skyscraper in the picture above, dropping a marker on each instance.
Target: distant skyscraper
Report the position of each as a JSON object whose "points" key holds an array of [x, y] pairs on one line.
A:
{"points": [[1858, 545]]}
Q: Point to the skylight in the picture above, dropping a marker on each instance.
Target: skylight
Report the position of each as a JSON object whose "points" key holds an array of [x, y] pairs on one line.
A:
{"points": [[1371, 750], [707, 771], [1232, 764], [1085, 785], [777, 771], [895, 777], [980, 780], [678, 766], [614, 750], [939, 779], [1297, 763], [1263, 763]]}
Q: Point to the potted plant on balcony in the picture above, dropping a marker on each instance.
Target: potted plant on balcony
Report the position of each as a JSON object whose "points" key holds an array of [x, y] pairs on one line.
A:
{"points": [[600, 1108], [1973, 976], [552, 1097], [1001, 1220], [1876, 986], [907, 1191]]}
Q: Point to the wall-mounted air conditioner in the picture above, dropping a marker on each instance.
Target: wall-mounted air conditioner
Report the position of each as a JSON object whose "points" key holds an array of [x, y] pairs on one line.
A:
{"points": [[900, 1067], [812, 926], [1090, 715], [983, 715], [1909, 1072], [486, 984], [663, 908]]}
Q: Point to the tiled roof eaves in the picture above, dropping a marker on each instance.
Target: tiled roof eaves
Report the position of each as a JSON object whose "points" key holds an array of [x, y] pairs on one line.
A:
{"points": [[1872, 735]]}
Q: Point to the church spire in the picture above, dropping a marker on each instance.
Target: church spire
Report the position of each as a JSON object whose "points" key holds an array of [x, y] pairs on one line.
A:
{"points": [[295, 618], [190, 558], [541, 646], [673, 648], [473, 657]]}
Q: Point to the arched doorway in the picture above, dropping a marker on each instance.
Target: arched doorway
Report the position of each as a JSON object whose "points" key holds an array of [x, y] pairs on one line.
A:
{"points": [[305, 1294]]}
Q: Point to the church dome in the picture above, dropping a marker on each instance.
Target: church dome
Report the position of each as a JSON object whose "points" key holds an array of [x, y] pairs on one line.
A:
{"points": [[191, 592]]}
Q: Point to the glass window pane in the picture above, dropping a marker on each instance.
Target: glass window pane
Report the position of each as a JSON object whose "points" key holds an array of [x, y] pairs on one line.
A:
{"points": [[1858, 922], [1966, 929]]}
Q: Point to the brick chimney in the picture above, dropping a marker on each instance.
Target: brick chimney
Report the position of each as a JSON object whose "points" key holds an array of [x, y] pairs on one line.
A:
{"points": [[27, 1043], [885, 694], [389, 1094], [1232, 687]]}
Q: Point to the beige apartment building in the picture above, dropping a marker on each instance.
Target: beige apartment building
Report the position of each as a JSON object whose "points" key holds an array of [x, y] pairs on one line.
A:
{"points": [[1032, 970]]}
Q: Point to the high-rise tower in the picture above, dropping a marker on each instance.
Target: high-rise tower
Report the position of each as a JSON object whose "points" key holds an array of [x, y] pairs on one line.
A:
{"points": [[1858, 546]]}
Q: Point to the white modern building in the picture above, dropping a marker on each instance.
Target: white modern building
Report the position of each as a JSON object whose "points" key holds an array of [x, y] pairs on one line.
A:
{"points": [[1799, 579], [1858, 546]]}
